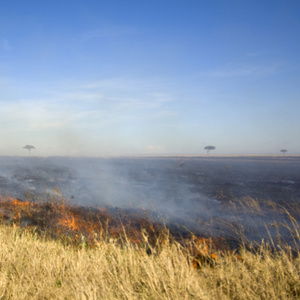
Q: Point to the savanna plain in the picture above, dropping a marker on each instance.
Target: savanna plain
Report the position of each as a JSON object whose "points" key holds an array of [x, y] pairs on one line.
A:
{"points": [[150, 228]]}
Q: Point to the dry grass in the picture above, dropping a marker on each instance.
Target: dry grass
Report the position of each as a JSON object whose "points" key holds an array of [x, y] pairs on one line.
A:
{"points": [[32, 267], [35, 263]]}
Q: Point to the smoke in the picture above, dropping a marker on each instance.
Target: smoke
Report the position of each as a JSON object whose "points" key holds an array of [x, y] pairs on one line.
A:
{"points": [[225, 196]]}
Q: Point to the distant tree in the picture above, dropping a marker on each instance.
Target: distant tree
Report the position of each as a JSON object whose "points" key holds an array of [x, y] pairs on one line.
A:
{"points": [[29, 147], [283, 151], [209, 148]]}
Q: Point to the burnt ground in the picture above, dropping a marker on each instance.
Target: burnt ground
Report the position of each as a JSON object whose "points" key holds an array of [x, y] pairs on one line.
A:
{"points": [[231, 196]]}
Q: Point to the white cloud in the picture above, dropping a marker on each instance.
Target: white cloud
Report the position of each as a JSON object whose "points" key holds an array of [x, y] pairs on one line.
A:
{"points": [[87, 104], [55, 116], [82, 96], [119, 94], [124, 83]]}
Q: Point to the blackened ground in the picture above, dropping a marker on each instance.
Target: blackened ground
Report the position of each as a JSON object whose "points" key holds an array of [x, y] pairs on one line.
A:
{"points": [[230, 196]]}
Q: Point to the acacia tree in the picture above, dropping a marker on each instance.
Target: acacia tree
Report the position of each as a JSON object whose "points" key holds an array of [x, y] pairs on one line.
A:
{"points": [[283, 151], [209, 148], [29, 147]]}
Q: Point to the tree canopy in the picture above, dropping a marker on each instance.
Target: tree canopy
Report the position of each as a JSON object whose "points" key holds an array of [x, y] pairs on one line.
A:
{"points": [[209, 148], [29, 147], [283, 151]]}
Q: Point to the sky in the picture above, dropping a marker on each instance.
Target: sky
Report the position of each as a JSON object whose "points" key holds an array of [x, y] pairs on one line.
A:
{"points": [[159, 77]]}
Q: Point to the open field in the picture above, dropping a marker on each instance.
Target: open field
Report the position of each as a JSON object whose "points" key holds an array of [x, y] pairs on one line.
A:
{"points": [[224, 196], [33, 267], [150, 228]]}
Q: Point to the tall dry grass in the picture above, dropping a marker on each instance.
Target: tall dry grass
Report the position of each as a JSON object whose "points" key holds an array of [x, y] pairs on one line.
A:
{"points": [[33, 267]]}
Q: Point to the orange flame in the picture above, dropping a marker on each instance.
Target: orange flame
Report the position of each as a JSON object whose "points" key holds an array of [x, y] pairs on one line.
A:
{"points": [[69, 222], [19, 203], [60, 218]]}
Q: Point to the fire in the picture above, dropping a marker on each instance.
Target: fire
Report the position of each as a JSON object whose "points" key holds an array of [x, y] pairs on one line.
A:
{"points": [[60, 218], [201, 249], [19, 203], [69, 222], [93, 226]]}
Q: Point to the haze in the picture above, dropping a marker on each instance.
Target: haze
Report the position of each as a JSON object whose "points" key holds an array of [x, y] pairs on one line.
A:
{"points": [[93, 78]]}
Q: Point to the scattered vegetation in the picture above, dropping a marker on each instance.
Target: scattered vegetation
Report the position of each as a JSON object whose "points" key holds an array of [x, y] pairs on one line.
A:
{"points": [[63, 253], [209, 148], [29, 148], [283, 151]]}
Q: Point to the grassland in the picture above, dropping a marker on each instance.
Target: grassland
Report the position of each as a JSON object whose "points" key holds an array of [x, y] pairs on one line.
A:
{"points": [[35, 266], [50, 249]]}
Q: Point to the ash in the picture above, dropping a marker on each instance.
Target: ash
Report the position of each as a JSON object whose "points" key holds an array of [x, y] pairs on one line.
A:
{"points": [[241, 197]]}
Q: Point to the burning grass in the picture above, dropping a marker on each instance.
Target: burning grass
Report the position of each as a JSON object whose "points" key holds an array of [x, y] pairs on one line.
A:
{"points": [[71, 224], [55, 250], [58, 219]]}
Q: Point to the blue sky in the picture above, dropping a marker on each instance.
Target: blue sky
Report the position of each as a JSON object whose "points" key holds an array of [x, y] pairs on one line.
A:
{"points": [[97, 78]]}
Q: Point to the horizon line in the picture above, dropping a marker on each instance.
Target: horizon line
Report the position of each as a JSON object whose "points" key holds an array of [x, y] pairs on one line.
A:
{"points": [[154, 155]]}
